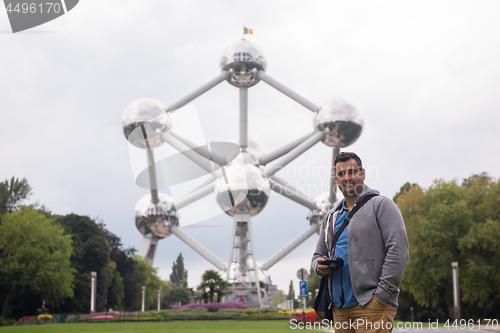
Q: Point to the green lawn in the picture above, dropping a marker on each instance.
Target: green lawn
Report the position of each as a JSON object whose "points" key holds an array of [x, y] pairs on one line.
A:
{"points": [[170, 327]]}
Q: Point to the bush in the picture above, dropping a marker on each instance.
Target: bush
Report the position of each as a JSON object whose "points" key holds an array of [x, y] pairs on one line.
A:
{"points": [[73, 319], [211, 306], [33, 320], [165, 304], [6, 322], [10, 322], [185, 313]]}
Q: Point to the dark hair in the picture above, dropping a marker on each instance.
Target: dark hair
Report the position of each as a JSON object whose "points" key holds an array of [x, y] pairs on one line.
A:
{"points": [[346, 156]]}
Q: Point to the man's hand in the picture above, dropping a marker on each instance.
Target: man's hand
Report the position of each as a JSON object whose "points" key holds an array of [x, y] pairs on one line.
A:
{"points": [[323, 269]]}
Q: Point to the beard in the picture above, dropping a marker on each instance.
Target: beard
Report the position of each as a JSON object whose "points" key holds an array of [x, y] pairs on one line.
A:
{"points": [[351, 189]]}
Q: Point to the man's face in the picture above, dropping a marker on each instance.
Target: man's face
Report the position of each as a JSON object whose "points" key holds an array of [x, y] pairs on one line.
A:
{"points": [[350, 178]]}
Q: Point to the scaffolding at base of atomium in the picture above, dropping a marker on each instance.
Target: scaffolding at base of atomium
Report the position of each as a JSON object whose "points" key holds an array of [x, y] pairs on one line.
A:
{"points": [[147, 125]]}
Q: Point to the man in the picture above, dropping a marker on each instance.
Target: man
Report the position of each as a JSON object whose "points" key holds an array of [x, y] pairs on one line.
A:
{"points": [[374, 248]]}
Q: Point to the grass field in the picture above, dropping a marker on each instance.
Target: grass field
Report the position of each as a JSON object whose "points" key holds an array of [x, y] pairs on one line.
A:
{"points": [[170, 327]]}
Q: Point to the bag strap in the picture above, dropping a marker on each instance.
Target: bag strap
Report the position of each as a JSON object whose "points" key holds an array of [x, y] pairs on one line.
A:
{"points": [[357, 206]]}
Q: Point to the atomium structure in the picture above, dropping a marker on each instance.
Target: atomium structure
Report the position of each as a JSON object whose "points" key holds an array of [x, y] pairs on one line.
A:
{"points": [[242, 175]]}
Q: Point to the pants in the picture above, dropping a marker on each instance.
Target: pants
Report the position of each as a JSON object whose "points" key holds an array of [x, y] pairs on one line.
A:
{"points": [[371, 318]]}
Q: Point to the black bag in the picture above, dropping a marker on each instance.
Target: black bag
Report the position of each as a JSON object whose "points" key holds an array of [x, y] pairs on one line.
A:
{"points": [[323, 302]]}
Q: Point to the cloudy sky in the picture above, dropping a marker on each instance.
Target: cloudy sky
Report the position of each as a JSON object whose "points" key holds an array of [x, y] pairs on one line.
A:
{"points": [[424, 74]]}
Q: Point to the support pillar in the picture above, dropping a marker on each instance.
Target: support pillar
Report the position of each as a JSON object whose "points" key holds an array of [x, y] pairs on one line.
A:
{"points": [[148, 248], [242, 271], [243, 117]]}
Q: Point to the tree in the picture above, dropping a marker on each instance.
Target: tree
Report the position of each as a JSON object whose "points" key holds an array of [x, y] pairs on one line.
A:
{"points": [[405, 188], [176, 295], [291, 292], [178, 291], [123, 291], [450, 222], [214, 282], [179, 275], [12, 193], [125, 266], [313, 283], [146, 276], [92, 253], [278, 298], [35, 256], [116, 291], [291, 295]]}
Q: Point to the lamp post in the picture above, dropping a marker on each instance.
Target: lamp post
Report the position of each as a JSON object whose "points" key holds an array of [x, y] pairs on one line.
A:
{"points": [[456, 290], [93, 284], [159, 296], [143, 298]]}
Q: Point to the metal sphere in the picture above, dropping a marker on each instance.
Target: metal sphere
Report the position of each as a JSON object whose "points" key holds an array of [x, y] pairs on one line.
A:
{"points": [[246, 190], [252, 153], [247, 157], [255, 148], [324, 206], [156, 218], [150, 113], [243, 59], [341, 121]]}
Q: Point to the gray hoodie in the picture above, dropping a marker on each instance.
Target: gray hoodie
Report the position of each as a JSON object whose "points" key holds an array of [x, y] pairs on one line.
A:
{"points": [[377, 247]]}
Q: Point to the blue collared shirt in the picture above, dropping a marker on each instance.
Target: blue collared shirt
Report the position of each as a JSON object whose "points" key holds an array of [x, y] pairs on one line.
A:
{"points": [[340, 250]]}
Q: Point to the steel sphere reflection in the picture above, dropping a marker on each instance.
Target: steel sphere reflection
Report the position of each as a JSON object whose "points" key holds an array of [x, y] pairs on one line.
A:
{"points": [[252, 153], [156, 218], [153, 115], [324, 205], [341, 122], [246, 190], [255, 148], [247, 157], [243, 59]]}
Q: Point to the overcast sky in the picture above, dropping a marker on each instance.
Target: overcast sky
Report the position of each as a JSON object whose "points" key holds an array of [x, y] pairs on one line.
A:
{"points": [[424, 74]]}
